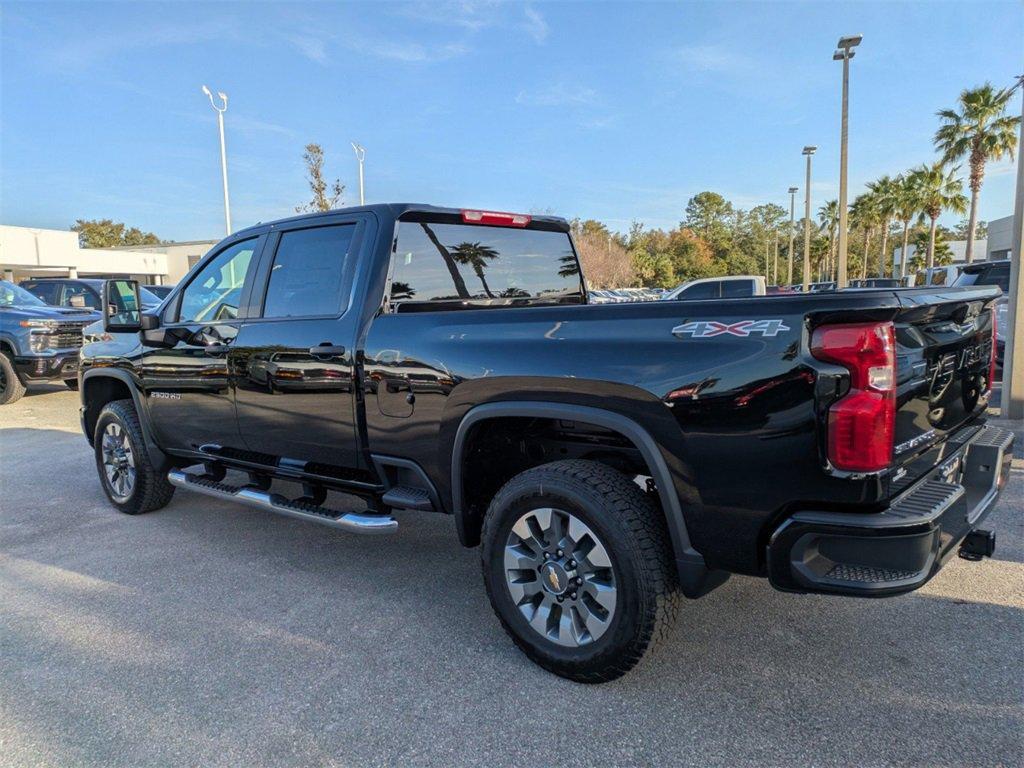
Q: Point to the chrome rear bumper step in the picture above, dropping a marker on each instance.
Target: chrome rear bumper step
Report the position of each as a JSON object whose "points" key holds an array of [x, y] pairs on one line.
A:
{"points": [[355, 522]]}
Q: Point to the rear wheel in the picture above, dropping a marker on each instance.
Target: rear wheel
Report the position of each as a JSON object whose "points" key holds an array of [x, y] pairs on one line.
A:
{"points": [[129, 479], [577, 566], [11, 388]]}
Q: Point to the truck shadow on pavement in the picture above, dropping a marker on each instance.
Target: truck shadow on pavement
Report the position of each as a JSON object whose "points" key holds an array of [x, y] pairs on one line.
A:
{"points": [[207, 627]]}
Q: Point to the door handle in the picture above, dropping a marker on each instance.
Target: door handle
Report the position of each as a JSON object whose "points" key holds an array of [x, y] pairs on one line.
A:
{"points": [[326, 350]]}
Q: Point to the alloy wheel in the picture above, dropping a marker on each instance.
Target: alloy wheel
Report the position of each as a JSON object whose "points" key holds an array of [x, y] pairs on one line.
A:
{"points": [[118, 461], [560, 577]]}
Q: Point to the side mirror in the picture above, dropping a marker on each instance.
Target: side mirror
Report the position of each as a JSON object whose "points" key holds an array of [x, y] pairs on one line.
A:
{"points": [[122, 310]]}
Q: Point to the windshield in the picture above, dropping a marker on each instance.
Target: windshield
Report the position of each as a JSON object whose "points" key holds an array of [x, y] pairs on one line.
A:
{"points": [[12, 295]]}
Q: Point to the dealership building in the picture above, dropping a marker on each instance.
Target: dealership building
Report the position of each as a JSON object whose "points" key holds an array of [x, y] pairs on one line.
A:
{"points": [[32, 252], [995, 247]]}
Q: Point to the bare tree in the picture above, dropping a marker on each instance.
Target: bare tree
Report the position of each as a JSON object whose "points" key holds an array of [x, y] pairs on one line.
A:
{"points": [[313, 157], [605, 261]]}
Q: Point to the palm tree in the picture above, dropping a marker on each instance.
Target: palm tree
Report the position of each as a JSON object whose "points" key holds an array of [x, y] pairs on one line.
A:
{"points": [[940, 191], [864, 215], [475, 255], [828, 216], [906, 205], [885, 192], [453, 269], [980, 131]]}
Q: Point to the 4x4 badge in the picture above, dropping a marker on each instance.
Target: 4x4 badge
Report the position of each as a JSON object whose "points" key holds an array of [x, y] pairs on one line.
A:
{"points": [[705, 329]]}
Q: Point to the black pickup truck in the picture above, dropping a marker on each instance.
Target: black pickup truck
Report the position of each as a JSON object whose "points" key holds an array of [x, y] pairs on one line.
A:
{"points": [[608, 458]]}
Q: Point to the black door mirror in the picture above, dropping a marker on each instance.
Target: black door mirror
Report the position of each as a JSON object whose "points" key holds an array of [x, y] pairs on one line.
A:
{"points": [[122, 310]]}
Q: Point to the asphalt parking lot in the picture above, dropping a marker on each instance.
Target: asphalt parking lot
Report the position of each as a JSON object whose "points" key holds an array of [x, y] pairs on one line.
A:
{"points": [[211, 634]]}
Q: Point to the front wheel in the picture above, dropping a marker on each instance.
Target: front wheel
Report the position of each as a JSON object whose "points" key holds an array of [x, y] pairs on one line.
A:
{"points": [[11, 388], [577, 566], [129, 479]]}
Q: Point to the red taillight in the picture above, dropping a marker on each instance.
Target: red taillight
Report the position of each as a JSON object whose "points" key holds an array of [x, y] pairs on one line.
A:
{"points": [[992, 356], [496, 218], [861, 424]]}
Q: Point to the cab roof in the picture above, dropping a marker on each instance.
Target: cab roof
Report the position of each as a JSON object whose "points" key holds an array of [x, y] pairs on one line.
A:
{"points": [[393, 211]]}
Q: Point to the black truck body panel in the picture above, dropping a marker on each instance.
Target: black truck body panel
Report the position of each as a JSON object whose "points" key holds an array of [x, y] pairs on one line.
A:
{"points": [[737, 419]]}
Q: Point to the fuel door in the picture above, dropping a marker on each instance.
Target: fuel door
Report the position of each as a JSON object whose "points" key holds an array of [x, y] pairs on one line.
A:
{"points": [[390, 375]]}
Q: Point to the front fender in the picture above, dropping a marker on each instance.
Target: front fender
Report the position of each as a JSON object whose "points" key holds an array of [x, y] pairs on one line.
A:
{"points": [[90, 411]]}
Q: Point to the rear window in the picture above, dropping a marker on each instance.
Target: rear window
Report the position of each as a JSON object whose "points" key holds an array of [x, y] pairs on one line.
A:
{"points": [[732, 289], [701, 291], [447, 266]]}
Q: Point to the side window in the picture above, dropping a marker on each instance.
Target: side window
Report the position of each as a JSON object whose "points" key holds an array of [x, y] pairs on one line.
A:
{"points": [[732, 289], [306, 279], [215, 292], [47, 290], [701, 291], [79, 295], [471, 265]]}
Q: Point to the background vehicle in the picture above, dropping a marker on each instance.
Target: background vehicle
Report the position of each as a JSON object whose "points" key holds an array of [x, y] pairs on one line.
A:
{"points": [[77, 292], [38, 343], [608, 459], [160, 291], [820, 287], [939, 276], [877, 282], [737, 286], [995, 273]]}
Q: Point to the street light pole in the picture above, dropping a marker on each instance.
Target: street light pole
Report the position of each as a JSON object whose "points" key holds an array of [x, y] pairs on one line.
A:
{"points": [[775, 263], [808, 151], [223, 151], [360, 156], [1012, 398], [844, 53], [792, 203]]}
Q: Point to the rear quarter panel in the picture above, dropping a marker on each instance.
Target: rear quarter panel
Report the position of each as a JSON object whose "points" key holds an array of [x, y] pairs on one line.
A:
{"points": [[733, 413]]}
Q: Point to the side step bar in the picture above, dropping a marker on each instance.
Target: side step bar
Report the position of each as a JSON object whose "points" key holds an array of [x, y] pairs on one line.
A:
{"points": [[355, 522]]}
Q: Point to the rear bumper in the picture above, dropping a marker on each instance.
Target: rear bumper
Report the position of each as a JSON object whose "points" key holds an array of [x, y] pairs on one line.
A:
{"points": [[900, 548], [55, 367]]}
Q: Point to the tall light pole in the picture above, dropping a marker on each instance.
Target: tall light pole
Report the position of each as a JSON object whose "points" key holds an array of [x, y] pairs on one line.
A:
{"points": [[792, 204], [775, 263], [223, 152], [808, 151], [360, 156], [844, 52], [1012, 398]]}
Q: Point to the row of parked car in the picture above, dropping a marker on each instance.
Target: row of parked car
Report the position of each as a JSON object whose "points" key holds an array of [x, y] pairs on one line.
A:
{"points": [[41, 328]]}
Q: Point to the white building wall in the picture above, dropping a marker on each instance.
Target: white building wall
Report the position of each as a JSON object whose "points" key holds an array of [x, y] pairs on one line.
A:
{"points": [[180, 256], [1000, 238], [27, 251]]}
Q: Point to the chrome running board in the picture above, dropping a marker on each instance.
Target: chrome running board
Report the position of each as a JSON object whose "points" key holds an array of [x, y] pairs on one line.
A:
{"points": [[355, 522]]}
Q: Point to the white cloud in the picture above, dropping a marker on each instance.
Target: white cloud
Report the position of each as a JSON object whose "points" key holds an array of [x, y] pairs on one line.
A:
{"points": [[535, 25], [558, 95], [410, 53], [710, 58], [312, 47]]}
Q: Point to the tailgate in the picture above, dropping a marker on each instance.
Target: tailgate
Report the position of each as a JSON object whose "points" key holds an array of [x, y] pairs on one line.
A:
{"points": [[943, 351]]}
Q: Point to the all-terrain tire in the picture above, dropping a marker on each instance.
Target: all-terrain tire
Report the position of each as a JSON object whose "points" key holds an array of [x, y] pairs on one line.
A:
{"points": [[632, 530], [11, 388], [150, 489]]}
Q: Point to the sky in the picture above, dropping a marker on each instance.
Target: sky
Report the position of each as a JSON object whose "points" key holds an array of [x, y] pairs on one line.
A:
{"points": [[614, 111]]}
